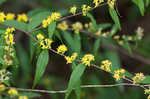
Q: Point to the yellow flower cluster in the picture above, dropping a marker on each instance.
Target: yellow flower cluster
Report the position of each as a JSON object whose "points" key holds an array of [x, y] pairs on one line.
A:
{"points": [[2, 17], [106, 65], [111, 3], [139, 31], [138, 78], [147, 91], [118, 74], [90, 27], [22, 17], [10, 16], [46, 43], [116, 37], [62, 26], [54, 17], [2, 87], [13, 92], [4, 75], [23, 97], [77, 27], [72, 58], [73, 10], [9, 37], [97, 2], [40, 36], [87, 59], [62, 49], [85, 9]]}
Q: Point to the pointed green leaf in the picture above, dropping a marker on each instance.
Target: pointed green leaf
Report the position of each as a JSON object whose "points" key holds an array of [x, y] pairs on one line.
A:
{"points": [[16, 24], [140, 4], [41, 66], [115, 17], [147, 3], [37, 19], [51, 29], [75, 77], [2, 1], [92, 19], [96, 45]]}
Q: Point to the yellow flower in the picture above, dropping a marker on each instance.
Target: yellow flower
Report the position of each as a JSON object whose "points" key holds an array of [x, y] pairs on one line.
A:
{"points": [[2, 17], [62, 49], [72, 58], [87, 59], [45, 23], [10, 16], [40, 36], [77, 27], [116, 37], [62, 26], [45, 44], [111, 3], [147, 91], [138, 78], [73, 10], [118, 74], [85, 9], [97, 2], [106, 64], [23, 97], [13, 92], [22, 17], [2, 87], [9, 30], [55, 16], [11, 39]]}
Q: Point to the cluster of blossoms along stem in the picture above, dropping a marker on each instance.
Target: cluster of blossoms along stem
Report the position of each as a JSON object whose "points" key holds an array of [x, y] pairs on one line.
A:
{"points": [[12, 92], [147, 92], [53, 17], [76, 27], [45, 43], [118, 74], [139, 77], [4, 76], [9, 39], [11, 16], [106, 65]]}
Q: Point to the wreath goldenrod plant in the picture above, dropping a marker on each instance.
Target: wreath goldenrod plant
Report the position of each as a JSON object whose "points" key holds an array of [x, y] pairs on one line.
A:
{"points": [[51, 34]]}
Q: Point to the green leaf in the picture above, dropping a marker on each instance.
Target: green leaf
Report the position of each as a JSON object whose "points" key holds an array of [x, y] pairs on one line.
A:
{"points": [[2, 1], [115, 18], [75, 77], [36, 11], [16, 24], [92, 19], [77, 44], [104, 26], [41, 66], [37, 19], [51, 29], [146, 80], [140, 4], [147, 3], [96, 45], [77, 86]]}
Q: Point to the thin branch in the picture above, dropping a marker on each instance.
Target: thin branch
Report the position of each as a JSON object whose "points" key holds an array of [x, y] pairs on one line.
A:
{"points": [[82, 86]]}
